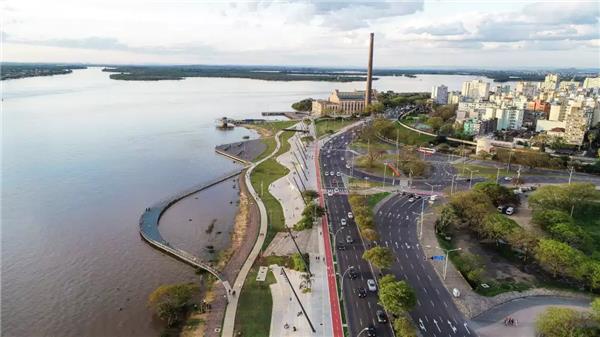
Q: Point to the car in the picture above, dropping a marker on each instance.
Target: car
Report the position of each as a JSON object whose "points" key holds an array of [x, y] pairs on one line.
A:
{"points": [[349, 239], [501, 209], [326, 173], [336, 190], [371, 331], [371, 285], [341, 158], [507, 178], [411, 199], [403, 192], [381, 316], [339, 174], [352, 273], [418, 197], [329, 193], [433, 197], [341, 246], [350, 215], [343, 221], [509, 211], [362, 292], [331, 173], [348, 166]]}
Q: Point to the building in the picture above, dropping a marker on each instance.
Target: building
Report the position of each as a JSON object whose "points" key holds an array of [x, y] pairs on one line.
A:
{"points": [[439, 94], [478, 127], [343, 103], [557, 112], [509, 118], [476, 90], [527, 89], [577, 122], [539, 105], [547, 125], [453, 97], [591, 82], [550, 82], [569, 85]]}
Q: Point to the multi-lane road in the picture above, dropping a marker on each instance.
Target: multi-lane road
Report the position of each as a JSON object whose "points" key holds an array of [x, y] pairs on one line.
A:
{"points": [[435, 313]]}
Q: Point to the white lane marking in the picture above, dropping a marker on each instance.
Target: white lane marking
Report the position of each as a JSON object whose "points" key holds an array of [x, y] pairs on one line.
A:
{"points": [[418, 278], [418, 302], [432, 304], [437, 291], [436, 324], [425, 290], [465, 325]]}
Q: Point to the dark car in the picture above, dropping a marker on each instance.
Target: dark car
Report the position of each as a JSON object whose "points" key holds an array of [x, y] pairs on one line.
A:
{"points": [[362, 292], [352, 273], [349, 239], [341, 246], [381, 317], [371, 331], [418, 197]]}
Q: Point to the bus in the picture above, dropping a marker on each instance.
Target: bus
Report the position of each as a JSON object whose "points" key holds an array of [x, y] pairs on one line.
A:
{"points": [[426, 150]]}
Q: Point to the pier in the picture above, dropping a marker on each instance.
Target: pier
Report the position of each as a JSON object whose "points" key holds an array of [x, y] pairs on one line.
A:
{"points": [[150, 219]]}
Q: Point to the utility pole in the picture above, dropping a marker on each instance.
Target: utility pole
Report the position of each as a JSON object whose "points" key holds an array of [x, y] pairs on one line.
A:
{"points": [[509, 157], [570, 174], [384, 171], [342, 281], [498, 176]]}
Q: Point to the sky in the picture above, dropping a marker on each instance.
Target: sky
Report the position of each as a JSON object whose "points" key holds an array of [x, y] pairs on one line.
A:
{"points": [[488, 34]]}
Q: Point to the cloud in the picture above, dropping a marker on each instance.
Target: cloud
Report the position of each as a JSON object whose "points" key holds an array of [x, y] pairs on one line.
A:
{"points": [[452, 28], [563, 12]]}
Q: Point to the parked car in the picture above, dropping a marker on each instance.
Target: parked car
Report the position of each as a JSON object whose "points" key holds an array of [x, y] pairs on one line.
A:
{"points": [[348, 166], [509, 211], [349, 239], [343, 222], [418, 197], [381, 316], [433, 197], [336, 190], [362, 292], [371, 285], [350, 215], [331, 173], [507, 178]]}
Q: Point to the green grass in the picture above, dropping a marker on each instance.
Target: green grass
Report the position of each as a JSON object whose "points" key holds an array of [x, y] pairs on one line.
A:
{"points": [[264, 174], [377, 146], [374, 199], [255, 306], [410, 137], [272, 128], [484, 171], [329, 126]]}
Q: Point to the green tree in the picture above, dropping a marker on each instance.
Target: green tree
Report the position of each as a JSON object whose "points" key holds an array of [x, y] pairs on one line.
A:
{"points": [[380, 257], [596, 310], [560, 322], [563, 197], [369, 234], [435, 123], [498, 227], [403, 327], [303, 105], [572, 235], [471, 207], [557, 257], [548, 217], [374, 108], [171, 302], [498, 194], [396, 296], [298, 262]]}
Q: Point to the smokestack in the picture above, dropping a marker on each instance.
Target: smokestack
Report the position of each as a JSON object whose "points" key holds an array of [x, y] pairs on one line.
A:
{"points": [[369, 73]]}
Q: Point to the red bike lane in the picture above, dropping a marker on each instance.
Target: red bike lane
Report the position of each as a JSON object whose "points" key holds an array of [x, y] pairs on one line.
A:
{"points": [[336, 317]]}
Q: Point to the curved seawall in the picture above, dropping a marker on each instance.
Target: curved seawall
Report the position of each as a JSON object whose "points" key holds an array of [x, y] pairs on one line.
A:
{"points": [[149, 221]]}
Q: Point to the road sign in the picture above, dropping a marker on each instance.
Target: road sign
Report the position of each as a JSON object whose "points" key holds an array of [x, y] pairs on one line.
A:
{"points": [[438, 257]]}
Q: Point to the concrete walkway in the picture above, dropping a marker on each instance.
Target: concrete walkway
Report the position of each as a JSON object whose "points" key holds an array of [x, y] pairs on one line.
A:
{"points": [[229, 320], [287, 189]]}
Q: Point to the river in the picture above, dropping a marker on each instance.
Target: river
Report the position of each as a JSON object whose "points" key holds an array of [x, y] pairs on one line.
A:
{"points": [[83, 156]]}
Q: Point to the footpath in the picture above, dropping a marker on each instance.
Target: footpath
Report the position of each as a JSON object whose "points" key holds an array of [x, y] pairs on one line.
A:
{"points": [[229, 320]]}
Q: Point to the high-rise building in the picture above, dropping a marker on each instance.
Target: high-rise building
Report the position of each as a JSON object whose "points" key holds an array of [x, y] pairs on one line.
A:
{"points": [[550, 82], [439, 94], [569, 85], [476, 89], [591, 82], [577, 123], [527, 89]]}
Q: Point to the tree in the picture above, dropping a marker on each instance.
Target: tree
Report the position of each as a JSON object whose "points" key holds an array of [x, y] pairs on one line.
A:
{"points": [[396, 296], [498, 227], [435, 123], [557, 257], [374, 108], [498, 194], [563, 197], [369, 234], [471, 207], [560, 322], [403, 327], [171, 301], [548, 217], [572, 235], [303, 105], [596, 309], [380, 257], [447, 129]]}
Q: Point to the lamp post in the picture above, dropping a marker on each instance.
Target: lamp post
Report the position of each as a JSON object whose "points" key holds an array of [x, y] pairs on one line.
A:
{"points": [[471, 176], [432, 186], [421, 216], [361, 331], [335, 235], [447, 251], [342, 281], [452, 183]]}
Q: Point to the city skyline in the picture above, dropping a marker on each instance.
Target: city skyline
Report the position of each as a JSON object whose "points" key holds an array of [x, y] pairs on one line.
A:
{"points": [[498, 35]]}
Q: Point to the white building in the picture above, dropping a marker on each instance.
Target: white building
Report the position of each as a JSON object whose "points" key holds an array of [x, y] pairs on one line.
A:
{"points": [[550, 82], [476, 89], [509, 118], [527, 89], [591, 82], [439, 94]]}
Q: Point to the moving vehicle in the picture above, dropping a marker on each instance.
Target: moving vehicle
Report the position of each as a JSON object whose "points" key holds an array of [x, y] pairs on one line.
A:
{"points": [[362, 292], [349, 239], [507, 178], [371, 285], [341, 246], [426, 150], [350, 215], [371, 331], [411, 199], [352, 273], [338, 174], [381, 316], [329, 193], [326, 173], [343, 221]]}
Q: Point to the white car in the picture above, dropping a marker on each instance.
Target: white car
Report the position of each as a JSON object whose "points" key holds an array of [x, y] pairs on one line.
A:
{"points": [[507, 178], [509, 211], [339, 174], [350, 215], [341, 158], [348, 166], [343, 222], [411, 199], [336, 190], [331, 173], [371, 285], [433, 197], [329, 193], [326, 173]]}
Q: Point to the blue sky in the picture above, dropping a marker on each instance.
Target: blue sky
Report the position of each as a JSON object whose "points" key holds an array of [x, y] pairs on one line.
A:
{"points": [[492, 34]]}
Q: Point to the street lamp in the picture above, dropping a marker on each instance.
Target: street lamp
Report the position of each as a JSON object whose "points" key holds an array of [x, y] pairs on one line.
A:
{"points": [[452, 183], [421, 216], [335, 235], [342, 282], [432, 186], [361, 331], [447, 251]]}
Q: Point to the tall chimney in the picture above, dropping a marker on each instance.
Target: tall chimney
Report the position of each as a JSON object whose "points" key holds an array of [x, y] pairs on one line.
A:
{"points": [[369, 72]]}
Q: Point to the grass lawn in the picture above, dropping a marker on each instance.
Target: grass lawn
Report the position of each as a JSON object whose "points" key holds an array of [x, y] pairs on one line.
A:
{"points": [[329, 126], [270, 129], [410, 137], [263, 175], [375, 198], [361, 183], [255, 305], [484, 171], [378, 146]]}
